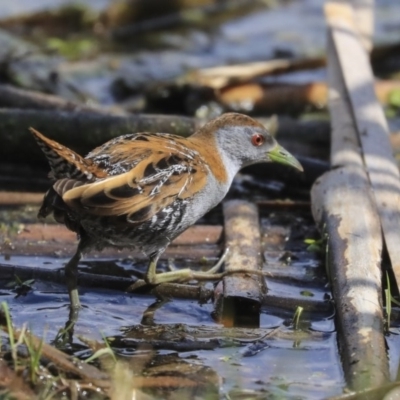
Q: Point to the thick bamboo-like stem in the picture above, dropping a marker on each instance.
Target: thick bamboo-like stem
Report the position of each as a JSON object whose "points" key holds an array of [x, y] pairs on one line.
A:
{"points": [[239, 298], [12, 97], [37, 239], [294, 97], [344, 207], [81, 131], [372, 128]]}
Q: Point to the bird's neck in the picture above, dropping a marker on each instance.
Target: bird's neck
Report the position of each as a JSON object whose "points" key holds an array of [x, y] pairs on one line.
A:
{"points": [[222, 167]]}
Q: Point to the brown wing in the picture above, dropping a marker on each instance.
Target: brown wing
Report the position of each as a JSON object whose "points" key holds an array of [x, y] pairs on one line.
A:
{"points": [[172, 172], [123, 153], [64, 162]]}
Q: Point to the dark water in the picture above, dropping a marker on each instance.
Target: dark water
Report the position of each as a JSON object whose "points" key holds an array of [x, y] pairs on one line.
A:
{"points": [[308, 367]]}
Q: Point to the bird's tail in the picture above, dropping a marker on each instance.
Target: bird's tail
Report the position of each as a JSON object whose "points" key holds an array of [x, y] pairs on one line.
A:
{"points": [[64, 162]]}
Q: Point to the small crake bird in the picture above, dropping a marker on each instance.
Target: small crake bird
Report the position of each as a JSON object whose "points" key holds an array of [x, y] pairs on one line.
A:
{"points": [[142, 190]]}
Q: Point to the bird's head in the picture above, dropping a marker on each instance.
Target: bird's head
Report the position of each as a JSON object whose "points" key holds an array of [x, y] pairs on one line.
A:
{"points": [[242, 141]]}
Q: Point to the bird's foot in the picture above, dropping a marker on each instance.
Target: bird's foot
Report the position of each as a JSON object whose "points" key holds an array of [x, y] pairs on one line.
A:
{"points": [[181, 275]]}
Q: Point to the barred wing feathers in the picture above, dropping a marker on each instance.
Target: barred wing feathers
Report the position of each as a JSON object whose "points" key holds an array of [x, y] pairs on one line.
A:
{"points": [[151, 185]]}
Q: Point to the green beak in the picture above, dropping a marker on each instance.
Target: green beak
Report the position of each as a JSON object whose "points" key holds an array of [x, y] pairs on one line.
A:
{"points": [[280, 155]]}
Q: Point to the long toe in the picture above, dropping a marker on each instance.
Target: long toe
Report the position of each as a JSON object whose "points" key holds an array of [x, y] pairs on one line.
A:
{"points": [[137, 285]]}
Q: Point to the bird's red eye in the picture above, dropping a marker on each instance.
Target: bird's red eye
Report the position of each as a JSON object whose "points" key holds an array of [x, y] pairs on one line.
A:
{"points": [[257, 139]]}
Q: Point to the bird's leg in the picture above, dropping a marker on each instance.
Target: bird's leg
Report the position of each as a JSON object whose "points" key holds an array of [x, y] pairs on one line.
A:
{"points": [[71, 276], [65, 335]]}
